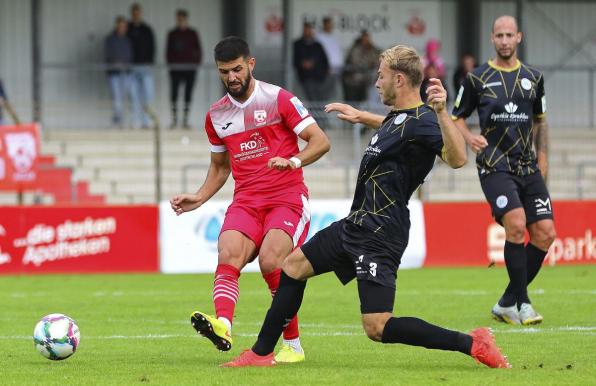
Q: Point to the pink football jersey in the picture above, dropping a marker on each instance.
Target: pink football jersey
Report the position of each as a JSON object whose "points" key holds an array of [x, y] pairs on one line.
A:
{"points": [[266, 125]]}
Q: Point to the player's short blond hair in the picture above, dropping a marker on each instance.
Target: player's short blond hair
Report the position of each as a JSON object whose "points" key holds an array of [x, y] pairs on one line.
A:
{"points": [[406, 60]]}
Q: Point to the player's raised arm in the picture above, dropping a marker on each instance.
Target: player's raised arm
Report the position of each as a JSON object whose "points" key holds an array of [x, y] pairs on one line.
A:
{"points": [[219, 171], [351, 114], [454, 152], [317, 145]]}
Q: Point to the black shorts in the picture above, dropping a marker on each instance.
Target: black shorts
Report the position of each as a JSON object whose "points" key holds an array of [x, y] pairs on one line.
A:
{"points": [[505, 192], [352, 252]]}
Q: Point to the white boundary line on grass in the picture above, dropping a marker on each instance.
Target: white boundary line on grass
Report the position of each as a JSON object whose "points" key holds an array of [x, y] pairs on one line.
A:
{"points": [[434, 292], [584, 330]]}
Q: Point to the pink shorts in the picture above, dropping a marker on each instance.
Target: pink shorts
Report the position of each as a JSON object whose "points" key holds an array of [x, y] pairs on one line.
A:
{"points": [[254, 218]]}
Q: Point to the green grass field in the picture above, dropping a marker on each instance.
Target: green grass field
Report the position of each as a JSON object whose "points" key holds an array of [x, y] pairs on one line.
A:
{"points": [[135, 330]]}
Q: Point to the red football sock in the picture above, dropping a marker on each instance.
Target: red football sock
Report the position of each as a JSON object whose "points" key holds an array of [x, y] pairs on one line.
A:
{"points": [[225, 290], [272, 279]]}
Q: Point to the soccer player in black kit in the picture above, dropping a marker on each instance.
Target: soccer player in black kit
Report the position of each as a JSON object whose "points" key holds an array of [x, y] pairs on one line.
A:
{"points": [[368, 244], [510, 100]]}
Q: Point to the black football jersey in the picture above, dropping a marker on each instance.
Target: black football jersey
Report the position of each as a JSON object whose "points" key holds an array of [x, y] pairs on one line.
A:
{"points": [[395, 162], [507, 100]]}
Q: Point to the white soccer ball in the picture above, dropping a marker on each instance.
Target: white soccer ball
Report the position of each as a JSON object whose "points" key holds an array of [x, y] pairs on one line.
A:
{"points": [[56, 336]]}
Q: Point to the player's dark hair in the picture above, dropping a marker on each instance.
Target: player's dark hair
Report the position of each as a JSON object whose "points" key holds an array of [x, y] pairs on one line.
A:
{"points": [[182, 13], [231, 48]]}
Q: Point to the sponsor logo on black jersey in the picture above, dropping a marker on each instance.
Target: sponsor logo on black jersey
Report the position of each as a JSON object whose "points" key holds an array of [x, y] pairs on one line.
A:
{"points": [[510, 114]]}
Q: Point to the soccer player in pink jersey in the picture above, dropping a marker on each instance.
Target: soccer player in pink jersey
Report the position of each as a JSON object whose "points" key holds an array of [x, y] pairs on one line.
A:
{"points": [[253, 131]]}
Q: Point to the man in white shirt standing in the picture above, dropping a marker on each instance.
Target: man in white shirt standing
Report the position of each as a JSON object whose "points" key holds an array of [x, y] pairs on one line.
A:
{"points": [[332, 47]]}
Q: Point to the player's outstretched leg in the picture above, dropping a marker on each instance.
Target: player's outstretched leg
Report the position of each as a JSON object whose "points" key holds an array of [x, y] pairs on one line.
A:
{"points": [[213, 329], [479, 344], [291, 350]]}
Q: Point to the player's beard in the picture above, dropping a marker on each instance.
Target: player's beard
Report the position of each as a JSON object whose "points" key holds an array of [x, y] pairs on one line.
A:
{"points": [[506, 57], [243, 87]]}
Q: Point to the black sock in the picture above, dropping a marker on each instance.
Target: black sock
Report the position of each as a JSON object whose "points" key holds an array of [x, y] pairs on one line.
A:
{"points": [[285, 305], [516, 262], [535, 258], [417, 332]]}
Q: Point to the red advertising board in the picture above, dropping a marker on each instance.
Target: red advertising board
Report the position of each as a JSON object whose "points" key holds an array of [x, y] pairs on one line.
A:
{"points": [[19, 151], [466, 234], [78, 239]]}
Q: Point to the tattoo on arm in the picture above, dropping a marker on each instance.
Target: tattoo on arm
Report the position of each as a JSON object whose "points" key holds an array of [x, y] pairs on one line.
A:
{"points": [[541, 136]]}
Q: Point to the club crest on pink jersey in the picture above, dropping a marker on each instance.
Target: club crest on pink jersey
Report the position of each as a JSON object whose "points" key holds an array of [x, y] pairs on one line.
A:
{"points": [[260, 117]]}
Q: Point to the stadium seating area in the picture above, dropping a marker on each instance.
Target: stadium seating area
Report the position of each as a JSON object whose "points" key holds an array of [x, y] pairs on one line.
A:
{"points": [[118, 167]]}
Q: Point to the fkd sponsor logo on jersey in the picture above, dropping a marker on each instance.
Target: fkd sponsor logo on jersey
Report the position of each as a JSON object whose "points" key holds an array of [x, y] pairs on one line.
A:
{"points": [[260, 117], [253, 148], [510, 114], [255, 142]]}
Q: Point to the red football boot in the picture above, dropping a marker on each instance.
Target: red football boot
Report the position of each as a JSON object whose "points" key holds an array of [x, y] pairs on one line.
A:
{"points": [[248, 358], [485, 349]]}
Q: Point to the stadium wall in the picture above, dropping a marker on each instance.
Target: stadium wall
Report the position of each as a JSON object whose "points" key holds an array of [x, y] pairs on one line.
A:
{"points": [[464, 234], [150, 239], [101, 239], [189, 242]]}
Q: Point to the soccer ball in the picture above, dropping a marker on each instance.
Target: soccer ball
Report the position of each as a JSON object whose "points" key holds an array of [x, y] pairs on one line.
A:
{"points": [[56, 336]]}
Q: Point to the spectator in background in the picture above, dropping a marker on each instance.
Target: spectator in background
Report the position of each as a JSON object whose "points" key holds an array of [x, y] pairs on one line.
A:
{"points": [[466, 64], [311, 64], [431, 71], [143, 48], [3, 101], [332, 47], [118, 56], [359, 72], [184, 55], [5, 105], [434, 67], [433, 58]]}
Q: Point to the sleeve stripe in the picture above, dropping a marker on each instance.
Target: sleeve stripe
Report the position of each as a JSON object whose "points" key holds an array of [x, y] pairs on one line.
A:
{"points": [[218, 148], [303, 124]]}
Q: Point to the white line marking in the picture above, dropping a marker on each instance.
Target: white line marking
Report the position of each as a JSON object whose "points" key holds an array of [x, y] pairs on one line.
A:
{"points": [[584, 330], [434, 292]]}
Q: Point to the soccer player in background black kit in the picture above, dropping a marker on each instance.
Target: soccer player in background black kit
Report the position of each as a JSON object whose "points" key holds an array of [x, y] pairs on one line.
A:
{"points": [[369, 243], [510, 100]]}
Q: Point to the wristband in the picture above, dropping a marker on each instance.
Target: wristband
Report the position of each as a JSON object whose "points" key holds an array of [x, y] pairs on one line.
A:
{"points": [[296, 161]]}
